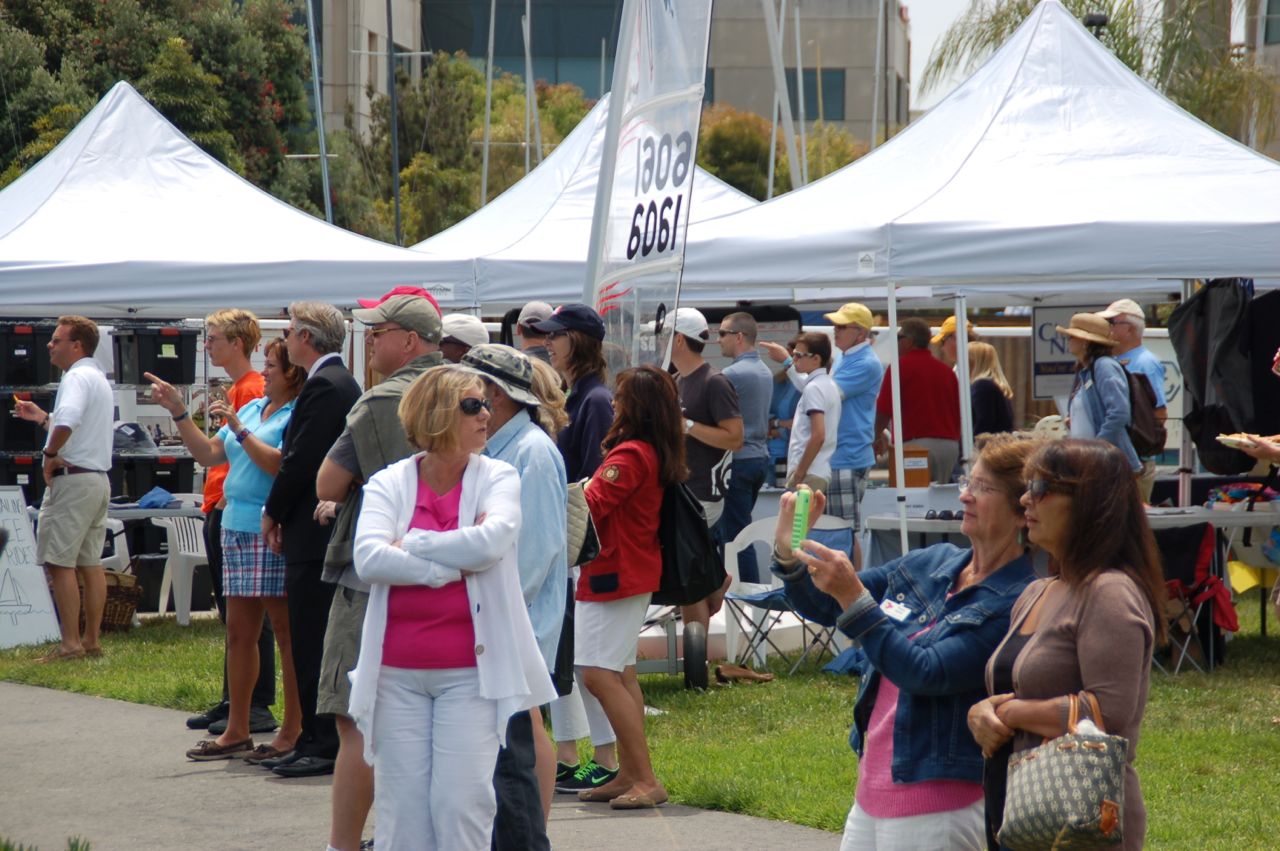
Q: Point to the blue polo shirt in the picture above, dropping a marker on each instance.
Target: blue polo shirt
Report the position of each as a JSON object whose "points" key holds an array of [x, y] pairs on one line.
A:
{"points": [[858, 375], [247, 484], [754, 383]]}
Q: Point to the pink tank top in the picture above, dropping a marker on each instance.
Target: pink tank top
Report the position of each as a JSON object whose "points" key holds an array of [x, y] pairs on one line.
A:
{"points": [[431, 627], [877, 794]]}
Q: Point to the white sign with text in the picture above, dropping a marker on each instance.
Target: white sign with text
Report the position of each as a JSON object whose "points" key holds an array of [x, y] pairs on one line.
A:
{"points": [[26, 609]]}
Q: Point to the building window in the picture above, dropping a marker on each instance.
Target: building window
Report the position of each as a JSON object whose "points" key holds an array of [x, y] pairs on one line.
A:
{"points": [[404, 62], [830, 107], [709, 87], [1271, 34]]}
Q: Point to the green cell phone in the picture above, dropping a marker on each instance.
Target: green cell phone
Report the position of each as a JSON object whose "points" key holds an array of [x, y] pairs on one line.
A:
{"points": [[800, 526]]}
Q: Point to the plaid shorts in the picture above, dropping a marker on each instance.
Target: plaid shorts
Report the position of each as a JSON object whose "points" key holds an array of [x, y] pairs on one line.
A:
{"points": [[844, 495], [249, 568]]}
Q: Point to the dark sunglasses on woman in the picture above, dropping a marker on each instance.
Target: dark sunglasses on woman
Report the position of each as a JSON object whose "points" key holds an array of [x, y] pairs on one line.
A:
{"points": [[471, 406]]}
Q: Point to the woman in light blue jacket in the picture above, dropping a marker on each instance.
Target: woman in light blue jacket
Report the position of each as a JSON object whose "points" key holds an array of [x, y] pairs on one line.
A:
{"points": [[1100, 398]]}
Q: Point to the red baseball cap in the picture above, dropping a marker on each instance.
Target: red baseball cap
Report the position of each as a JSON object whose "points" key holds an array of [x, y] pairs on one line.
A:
{"points": [[401, 290]]}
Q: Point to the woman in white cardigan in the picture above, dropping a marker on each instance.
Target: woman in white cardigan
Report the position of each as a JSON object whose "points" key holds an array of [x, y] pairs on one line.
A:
{"points": [[447, 654]]}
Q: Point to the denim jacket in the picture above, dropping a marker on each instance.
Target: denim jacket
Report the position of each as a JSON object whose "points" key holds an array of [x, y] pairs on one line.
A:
{"points": [[1106, 392], [940, 673]]}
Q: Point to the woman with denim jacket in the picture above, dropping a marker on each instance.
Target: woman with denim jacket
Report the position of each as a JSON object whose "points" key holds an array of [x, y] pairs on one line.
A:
{"points": [[927, 623], [1099, 404]]}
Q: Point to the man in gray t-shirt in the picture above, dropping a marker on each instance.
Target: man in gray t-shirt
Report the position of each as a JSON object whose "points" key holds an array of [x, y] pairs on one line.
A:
{"points": [[753, 382], [712, 428]]}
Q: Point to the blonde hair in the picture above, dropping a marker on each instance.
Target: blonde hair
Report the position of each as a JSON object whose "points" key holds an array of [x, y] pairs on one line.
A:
{"points": [[429, 409], [547, 386], [984, 362], [236, 324]]}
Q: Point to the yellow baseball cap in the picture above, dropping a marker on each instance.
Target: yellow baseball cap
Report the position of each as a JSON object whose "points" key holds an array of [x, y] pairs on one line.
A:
{"points": [[851, 314], [948, 328]]}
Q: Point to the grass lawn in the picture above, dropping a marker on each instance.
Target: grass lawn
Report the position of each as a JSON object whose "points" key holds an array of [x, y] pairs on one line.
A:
{"points": [[1208, 759]]}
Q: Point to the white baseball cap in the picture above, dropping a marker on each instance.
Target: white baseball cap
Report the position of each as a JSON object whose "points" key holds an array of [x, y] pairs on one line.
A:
{"points": [[1125, 306], [466, 329], [691, 323]]}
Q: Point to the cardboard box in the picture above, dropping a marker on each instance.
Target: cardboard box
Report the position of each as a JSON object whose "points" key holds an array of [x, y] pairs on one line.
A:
{"points": [[915, 463]]}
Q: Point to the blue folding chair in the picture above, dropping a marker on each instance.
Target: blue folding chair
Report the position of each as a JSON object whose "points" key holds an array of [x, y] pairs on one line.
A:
{"points": [[754, 610]]}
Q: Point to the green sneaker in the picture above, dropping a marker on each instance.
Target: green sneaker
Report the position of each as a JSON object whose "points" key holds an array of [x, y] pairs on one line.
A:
{"points": [[565, 771], [589, 776]]}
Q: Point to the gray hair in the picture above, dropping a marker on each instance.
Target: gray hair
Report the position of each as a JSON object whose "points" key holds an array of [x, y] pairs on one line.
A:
{"points": [[1138, 322], [324, 323]]}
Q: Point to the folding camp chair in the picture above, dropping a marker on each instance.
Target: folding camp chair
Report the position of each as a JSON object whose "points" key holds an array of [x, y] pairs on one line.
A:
{"points": [[1198, 601], [754, 610]]}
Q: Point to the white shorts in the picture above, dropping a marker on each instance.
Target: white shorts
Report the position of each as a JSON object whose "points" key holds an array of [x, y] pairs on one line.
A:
{"points": [[605, 634]]}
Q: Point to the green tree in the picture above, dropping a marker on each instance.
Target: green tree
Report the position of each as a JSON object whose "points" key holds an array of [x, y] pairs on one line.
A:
{"points": [[734, 146], [51, 128], [190, 97], [830, 148], [1182, 48]]}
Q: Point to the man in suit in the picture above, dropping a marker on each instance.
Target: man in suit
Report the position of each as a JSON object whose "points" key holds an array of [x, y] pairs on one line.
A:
{"points": [[314, 339]]}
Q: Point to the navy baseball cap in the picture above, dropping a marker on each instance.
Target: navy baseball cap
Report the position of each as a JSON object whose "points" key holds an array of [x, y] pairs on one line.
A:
{"points": [[573, 317]]}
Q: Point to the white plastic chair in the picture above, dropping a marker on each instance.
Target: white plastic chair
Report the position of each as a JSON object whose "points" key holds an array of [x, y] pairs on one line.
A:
{"points": [[119, 559], [185, 539], [755, 624]]}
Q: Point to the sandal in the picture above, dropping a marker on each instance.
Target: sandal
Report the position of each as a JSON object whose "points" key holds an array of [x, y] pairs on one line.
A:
{"points": [[640, 802], [209, 749], [263, 751], [60, 655]]}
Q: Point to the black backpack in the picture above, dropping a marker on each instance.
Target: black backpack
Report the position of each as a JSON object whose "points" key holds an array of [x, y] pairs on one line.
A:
{"points": [[1146, 432], [691, 567]]}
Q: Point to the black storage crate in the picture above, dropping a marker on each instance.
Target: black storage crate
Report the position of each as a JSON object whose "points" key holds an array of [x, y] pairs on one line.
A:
{"points": [[19, 435], [149, 568], [174, 473], [168, 353], [26, 470], [24, 354]]}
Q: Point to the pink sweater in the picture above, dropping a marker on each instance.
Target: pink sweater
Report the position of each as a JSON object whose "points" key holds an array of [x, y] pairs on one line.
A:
{"points": [[431, 627], [877, 794]]}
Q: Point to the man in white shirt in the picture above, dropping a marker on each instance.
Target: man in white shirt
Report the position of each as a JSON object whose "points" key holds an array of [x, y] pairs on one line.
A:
{"points": [[77, 456]]}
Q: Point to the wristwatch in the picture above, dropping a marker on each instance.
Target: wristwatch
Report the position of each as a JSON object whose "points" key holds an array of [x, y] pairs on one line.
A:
{"points": [[46, 453], [688, 426]]}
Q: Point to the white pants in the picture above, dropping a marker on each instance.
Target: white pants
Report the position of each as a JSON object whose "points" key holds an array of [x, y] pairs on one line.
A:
{"points": [[578, 714], [436, 744], [956, 830]]}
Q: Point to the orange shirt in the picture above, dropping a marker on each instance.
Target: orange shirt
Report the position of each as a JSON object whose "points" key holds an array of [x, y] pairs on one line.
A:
{"points": [[244, 391]]}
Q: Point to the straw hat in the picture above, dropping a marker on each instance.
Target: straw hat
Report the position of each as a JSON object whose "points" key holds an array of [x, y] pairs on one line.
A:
{"points": [[1089, 327]]}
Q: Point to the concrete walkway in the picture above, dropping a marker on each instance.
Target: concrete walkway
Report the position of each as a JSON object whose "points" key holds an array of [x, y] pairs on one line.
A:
{"points": [[113, 773]]}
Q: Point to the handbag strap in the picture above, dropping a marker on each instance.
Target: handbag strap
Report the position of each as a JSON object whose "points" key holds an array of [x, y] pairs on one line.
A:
{"points": [[1095, 710]]}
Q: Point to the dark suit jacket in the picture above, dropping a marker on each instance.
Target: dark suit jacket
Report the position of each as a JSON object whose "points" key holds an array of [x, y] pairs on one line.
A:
{"points": [[318, 418]]}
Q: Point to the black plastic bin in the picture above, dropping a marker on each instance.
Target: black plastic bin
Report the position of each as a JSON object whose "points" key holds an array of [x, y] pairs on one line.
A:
{"points": [[24, 354], [168, 353], [149, 568], [26, 470], [141, 473], [19, 435]]}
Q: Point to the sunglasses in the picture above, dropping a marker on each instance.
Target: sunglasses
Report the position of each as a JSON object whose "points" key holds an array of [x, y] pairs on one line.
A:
{"points": [[804, 354], [724, 333], [556, 335], [1038, 489], [378, 332], [471, 406]]}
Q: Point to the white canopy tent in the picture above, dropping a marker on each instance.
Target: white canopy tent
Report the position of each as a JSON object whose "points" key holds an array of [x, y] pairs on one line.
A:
{"points": [[531, 241], [1053, 163], [128, 217]]}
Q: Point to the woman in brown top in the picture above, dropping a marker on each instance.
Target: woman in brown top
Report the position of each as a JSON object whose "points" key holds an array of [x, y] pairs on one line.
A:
{"points": [[1089, 627]]}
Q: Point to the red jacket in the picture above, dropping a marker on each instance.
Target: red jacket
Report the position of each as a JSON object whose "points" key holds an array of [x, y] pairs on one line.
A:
{"points": [[625, 499]]}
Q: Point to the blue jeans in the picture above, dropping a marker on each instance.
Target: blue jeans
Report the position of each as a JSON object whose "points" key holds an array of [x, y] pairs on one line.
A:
{"points": [[739, 500]]}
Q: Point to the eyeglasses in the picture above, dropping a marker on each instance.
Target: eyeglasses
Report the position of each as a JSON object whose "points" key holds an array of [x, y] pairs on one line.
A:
{"points": [[378, 332], [977, 486], [804, 354], [471, 406], [214, 338], [1038, 489]]}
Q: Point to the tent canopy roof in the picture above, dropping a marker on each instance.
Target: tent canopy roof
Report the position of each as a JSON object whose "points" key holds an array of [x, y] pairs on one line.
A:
{"points": [[128, 216], [1053, 162]]}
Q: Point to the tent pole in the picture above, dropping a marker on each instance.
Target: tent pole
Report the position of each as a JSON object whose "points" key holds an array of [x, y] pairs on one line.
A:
{"points": [[488, 105], [895, 389], [962, 373], [879, 70], [780, 87], [395, 133], [531, 96], [773, 116], [1185, 449], [804, 143], [528, 91], [315, 90]]}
